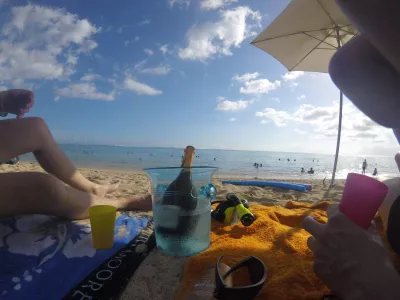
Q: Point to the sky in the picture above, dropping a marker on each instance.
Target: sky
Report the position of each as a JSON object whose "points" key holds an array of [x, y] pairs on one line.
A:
{"points": [[170, 73]]}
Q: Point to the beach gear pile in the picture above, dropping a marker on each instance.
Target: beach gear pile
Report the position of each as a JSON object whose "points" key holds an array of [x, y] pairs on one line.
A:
{"points": [[276, 238]]}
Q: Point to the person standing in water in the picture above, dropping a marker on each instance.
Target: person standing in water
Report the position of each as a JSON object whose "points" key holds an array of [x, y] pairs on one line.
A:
{"points": [[364, 166], [375, 173]]}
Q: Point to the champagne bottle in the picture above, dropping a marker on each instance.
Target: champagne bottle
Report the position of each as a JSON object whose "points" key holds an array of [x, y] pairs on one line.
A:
{"points": [[181, 192], [182, 195]]}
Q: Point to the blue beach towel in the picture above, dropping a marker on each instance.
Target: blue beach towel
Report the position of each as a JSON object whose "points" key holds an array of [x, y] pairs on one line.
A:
{"points": [[44, 258]]}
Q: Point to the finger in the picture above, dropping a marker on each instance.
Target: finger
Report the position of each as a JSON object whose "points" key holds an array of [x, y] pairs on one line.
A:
{"points": [[312, 244], [332, 209], [310, 225]]}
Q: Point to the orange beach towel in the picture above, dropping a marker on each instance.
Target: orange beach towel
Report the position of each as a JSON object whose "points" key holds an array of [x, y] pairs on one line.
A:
{"points": [[277, 239]]}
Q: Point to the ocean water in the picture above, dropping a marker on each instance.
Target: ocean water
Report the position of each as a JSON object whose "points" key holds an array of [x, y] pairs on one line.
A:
{"points": [[230, 163]]}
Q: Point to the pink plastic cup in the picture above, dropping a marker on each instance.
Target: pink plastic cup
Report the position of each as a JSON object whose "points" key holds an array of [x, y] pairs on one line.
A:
{"points": [[362, 197]]}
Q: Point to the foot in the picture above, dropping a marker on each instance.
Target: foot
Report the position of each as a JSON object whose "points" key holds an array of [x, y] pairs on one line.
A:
{"points": [[141, 202], [102, 190]]}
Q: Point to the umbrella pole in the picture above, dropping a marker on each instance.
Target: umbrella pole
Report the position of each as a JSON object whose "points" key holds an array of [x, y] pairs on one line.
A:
{"points": [[338, 139]]}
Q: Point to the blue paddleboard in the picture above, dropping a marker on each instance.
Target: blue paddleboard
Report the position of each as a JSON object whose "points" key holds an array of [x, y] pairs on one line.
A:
{"points": [[282, 185]]}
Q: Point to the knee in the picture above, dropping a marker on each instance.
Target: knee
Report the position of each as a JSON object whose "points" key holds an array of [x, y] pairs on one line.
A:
{"points": [[397, 158], [39, 129], [37, 123]]}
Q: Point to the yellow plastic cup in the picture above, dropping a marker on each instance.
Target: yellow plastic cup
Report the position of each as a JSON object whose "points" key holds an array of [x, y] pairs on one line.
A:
{"points": [[102, 220]]}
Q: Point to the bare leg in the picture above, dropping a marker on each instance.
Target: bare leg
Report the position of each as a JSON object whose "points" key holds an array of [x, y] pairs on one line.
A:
{"points": [[32, 135], [39, 193]]}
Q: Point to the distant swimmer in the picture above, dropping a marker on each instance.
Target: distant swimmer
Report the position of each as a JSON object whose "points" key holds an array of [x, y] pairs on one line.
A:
{"points": [[375, 173], [215, 159], [364, 166], [260, 165], [294, 160], [311, 171], [288, 159], [279, 159], [255, 164], [302, 170]]}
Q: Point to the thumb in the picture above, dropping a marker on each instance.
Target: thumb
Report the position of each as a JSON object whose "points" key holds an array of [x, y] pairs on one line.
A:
{"points": [[373, 229]]}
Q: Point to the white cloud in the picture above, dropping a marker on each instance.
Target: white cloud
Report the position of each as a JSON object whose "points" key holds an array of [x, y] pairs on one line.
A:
{"points": [[210, 39], [309, 113], [57, 98], [259, 86], [159, 70], [83, 91], [263, 122], [280, 118], [324, 119], [134, 40], [140, 64], [148, 52], [292, 75], [301, 97], [144, 22], [90, 77], [37, 38], [3, 88], [246, 76], [179, 3], [215, 4], [232, 119], [275, 99], [140, 88], [293, 85], [364, 124], [231, 105], [299, 131], [72, 59], [164, 49]]}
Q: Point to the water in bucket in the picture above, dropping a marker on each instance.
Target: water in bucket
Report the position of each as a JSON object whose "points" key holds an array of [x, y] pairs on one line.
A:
{"points": [[182, 208]]}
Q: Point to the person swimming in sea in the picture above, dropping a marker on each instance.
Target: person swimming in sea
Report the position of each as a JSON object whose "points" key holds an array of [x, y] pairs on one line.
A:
{"points": [[311, 171], [302, 170], [375, 173]]}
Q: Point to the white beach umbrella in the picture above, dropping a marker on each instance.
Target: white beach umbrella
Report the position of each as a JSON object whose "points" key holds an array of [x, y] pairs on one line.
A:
{"points": [[304, 37]]}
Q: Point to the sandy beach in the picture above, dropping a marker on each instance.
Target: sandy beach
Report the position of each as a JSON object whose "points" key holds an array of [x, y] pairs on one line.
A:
{"points": [[159, 276], [133, 183]]}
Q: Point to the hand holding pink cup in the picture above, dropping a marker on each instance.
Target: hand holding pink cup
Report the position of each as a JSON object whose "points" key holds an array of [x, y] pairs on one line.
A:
{"points": [[362, 197]]}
